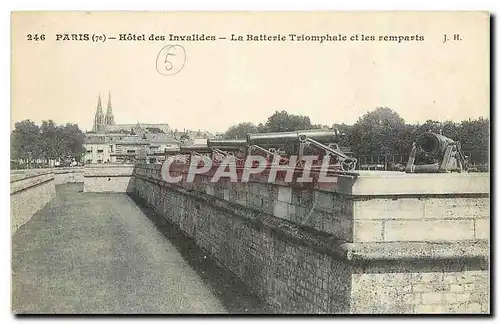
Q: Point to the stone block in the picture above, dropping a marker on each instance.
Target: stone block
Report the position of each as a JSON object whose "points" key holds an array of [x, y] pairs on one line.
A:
{"points": [[400, 183], [482, 229], [254, 201], [280, 209], [402, 208], [432, 277], [432, 298], [473, 308], [323, 201], [367, 231], [209, 190], [226, 194], [108, 184], [457, 287], [339, 227], [456, 207], [285, 194], [430, 309], [343, 206], [267, 205], [428, 230]]}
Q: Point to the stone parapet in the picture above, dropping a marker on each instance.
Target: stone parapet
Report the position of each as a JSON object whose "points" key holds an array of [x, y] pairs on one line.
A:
{"points": [[30, 191], [108, 178], [339, 247], [364, 207]]}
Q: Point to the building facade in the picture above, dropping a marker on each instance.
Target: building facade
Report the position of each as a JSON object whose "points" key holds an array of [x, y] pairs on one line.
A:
{"points": [[109, 142]]}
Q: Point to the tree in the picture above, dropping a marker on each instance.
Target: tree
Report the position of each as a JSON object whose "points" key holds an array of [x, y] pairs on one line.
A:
{"points": [[25, 141], [378, 132], [73, 140], [240, 131], [475, 139], [281, 121], [345, 131], [49, 141]]}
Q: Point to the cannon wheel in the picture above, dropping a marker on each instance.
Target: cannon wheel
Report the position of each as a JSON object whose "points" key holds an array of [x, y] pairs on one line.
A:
{"points": [[348, 165]]}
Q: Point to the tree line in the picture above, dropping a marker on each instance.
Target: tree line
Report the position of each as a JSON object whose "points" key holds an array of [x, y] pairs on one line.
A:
{"points": [[31, 142], [380, 132]]}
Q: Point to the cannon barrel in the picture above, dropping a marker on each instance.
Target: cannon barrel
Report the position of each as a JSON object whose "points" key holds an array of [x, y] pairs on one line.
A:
{"points": [[264, 139], [226, 144], [194, 148], [433, 144]]}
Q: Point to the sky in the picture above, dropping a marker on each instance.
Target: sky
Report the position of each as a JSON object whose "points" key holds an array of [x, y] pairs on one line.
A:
{"points": [[225, 82]]}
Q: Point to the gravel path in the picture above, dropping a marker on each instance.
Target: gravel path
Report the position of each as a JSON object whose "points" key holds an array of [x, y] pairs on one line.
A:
{"points": [[101, 253]]}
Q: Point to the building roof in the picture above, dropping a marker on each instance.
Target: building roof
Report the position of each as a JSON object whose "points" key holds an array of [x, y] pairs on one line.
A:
{"points": [[161, 138], [165, 128]]}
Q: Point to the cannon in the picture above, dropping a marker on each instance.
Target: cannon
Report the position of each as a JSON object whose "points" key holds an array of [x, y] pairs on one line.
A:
{"points": [[276, 139], [193, 149], [323, 140], [222, 148], [215, 149], [436, 153], [346, 163], [226, 144]]}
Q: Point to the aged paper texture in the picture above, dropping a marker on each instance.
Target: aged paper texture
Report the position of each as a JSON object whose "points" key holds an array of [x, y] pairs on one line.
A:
{"points": [[250, 162]]}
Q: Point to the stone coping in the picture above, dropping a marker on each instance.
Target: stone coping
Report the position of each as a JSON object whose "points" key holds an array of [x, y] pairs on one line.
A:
{"points": [[108, 165], [416, 250], [30, 181], [409, 251], [28, 174], [118, 170], [400, 183], [107, 175], [17, 175], [68, 170]]}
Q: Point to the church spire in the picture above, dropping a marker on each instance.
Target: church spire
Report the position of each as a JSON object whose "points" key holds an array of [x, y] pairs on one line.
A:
{"points": [[99, 105], [109, 110], [99, 117], [110, 119]]}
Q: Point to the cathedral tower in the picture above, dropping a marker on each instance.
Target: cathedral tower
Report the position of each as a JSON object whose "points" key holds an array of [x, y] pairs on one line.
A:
{"points": [[110, 119], [99, 122]]}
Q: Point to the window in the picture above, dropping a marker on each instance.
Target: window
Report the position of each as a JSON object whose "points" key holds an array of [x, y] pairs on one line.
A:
{"points": [[100, 151], [111, 148], [130, 151], [89, 151]]}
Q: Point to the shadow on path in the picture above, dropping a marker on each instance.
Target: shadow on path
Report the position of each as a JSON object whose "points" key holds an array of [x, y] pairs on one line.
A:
{"points": [[233, 293]]}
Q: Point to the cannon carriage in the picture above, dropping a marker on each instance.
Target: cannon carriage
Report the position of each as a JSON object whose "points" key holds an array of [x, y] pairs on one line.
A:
{"points": [[431, 152], [278, 147], [321, 143], [436, 153]]}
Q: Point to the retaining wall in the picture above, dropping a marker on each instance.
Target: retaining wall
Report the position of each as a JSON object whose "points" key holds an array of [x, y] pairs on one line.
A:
{"points": [[371, 242], [30, 191], [108, 178]]}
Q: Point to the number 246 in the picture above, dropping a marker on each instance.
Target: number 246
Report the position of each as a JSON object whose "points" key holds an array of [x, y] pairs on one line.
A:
{"points": [[36, 37]]}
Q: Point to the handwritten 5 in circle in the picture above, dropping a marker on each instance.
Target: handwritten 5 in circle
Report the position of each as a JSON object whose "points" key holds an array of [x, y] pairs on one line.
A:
{"points": [[171, 59]]}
